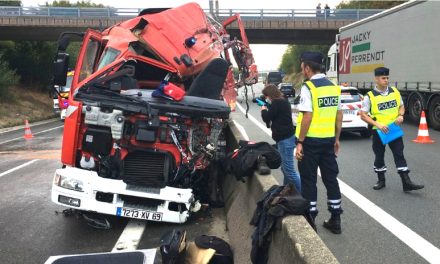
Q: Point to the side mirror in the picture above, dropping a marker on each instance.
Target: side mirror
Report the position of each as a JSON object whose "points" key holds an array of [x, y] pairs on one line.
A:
{"points": [[60, 67], [63, 42]]}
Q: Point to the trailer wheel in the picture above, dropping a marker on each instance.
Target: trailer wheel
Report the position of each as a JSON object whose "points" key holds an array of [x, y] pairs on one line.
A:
{"points": [[415, 107], [434, 113]]}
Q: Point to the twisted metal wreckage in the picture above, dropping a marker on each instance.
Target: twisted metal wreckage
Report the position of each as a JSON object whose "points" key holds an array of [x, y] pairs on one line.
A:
{"points": [[149, 100]]}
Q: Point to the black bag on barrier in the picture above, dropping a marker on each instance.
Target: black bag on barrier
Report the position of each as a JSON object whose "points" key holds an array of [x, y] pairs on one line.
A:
{"points": [[243, 161]]}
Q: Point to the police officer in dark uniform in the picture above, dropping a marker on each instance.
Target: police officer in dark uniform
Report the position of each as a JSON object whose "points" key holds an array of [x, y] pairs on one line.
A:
{"points": [[318, 129], [381, 107]]}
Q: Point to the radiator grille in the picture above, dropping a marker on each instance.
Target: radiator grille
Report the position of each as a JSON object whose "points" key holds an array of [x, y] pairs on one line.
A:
{"points": [[148, 169]]}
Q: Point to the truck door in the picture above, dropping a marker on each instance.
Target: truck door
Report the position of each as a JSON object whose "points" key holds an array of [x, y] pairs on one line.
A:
{"points": [[86, 64], [89, 55]]}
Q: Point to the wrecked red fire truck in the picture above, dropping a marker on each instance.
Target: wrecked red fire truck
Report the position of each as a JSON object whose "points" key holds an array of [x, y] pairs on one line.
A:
{"points": [[146, 113]]}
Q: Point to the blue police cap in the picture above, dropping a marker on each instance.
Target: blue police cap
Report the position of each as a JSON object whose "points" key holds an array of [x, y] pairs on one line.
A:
{"points": [[381, 71], [312, 56]]}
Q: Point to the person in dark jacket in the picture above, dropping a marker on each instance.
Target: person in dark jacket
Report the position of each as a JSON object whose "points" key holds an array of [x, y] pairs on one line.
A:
{"points": [[318, 129], [278, 113]]}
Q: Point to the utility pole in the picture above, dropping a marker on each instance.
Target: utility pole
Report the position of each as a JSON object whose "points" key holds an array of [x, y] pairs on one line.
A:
{"points": [[211, 7], [216, 8]]}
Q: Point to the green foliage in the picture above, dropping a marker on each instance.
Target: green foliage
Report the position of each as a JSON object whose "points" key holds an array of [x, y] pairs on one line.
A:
{"points": [[73, 51], [7, 78], [6, 45], [32, 61], [288, 64], [290, 61], [64, 3], [10, 3], [357, 4]]}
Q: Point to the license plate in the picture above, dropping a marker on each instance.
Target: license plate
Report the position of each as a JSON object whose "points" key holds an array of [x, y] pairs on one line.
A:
{"points": [[139, 214], [349, 112]]}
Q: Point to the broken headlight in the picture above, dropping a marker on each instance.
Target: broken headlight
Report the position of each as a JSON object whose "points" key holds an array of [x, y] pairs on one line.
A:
{"points": [[68, 183]]}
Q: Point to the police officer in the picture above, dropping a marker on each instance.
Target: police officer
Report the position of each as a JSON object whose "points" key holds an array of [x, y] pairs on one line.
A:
{"points": [[318, 129], [384, 104]]}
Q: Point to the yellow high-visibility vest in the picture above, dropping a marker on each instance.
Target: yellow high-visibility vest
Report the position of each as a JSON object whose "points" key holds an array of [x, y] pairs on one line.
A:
{"points": [[385, 109], [325, 101]]}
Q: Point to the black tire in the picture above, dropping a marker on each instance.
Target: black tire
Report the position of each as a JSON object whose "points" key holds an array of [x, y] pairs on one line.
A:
{"points": [[365, 133], [434, 113], [415, 107]]}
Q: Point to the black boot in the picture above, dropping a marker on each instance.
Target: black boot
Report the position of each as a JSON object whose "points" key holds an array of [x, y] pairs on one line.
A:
{"points": [[262, 167], [334, 224], [381, 181], [408, 185]]}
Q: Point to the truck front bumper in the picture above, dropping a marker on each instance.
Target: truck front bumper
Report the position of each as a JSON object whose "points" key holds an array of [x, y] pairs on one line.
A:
{"points": [[84, 190]]}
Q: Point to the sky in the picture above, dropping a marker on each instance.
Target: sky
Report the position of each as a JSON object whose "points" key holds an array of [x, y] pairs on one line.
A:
{"points": [[267, 57]]}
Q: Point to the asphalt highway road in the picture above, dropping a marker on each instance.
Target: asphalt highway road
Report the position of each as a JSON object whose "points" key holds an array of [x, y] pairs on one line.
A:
{"points": [[385, 229]]}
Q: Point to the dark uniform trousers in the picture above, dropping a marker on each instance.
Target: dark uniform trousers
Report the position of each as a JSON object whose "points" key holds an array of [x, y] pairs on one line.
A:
{"points": [[396, 147], [320, 153]]}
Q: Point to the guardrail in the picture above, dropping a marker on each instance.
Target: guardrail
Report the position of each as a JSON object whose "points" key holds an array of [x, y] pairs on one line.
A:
{"points": [[110, 12]]}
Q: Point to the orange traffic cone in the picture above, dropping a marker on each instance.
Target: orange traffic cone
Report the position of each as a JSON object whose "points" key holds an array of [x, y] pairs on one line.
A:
{"points": [[423, 134], [27, 130]]}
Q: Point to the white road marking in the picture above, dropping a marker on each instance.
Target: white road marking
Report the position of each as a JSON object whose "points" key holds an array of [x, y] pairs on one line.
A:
{"points": [[256, 122], [131, 236], [43, 131], [18, 167], [9, 129], [242, 130], [417, 243]]}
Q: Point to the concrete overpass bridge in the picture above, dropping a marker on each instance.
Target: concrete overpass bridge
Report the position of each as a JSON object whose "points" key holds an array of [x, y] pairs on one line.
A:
{"points": [[292, 26]]}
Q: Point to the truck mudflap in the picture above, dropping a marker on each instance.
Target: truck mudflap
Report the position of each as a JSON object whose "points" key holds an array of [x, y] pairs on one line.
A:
{"points": [[84, 190]]}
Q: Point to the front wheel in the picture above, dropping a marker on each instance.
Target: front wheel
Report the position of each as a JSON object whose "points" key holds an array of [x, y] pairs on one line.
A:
{"points": [[434, 113]]}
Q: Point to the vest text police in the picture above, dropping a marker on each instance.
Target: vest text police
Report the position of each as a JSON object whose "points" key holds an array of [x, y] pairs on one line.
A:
{"points": [[328, 101], [387, 105]]}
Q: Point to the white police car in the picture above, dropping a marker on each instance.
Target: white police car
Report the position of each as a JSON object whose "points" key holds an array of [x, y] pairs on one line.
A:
{"points": [[351, 103]]}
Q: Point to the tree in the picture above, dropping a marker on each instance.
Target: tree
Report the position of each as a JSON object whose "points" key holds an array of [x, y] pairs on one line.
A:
{"points": [[28, 58], [10, 3], [63, 3], [7, 78], [287, 61], [357, 4], [290, 62]]}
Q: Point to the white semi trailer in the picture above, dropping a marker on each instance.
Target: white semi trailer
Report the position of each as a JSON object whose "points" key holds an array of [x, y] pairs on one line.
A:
{"points": [[405, 39]]}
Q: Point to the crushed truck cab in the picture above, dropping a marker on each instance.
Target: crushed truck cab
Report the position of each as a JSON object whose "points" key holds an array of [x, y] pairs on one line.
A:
{"points": [[146, 113]]}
